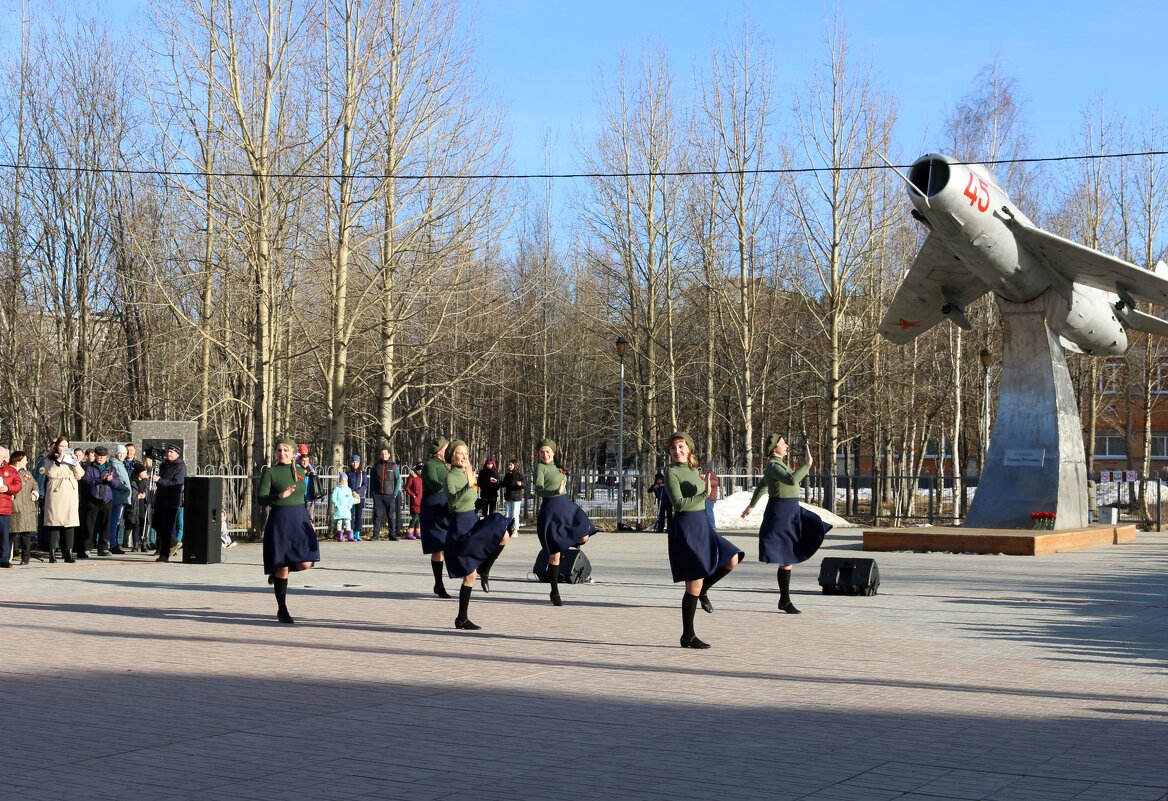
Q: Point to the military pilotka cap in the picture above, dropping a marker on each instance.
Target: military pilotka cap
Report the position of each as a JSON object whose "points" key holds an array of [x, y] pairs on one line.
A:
{"points": [[452, 447], [680, 435], [772, 441]]}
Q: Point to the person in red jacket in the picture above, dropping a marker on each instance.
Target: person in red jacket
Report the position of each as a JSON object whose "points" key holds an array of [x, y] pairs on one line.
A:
{"points": [[413, 490], [10, 484]]}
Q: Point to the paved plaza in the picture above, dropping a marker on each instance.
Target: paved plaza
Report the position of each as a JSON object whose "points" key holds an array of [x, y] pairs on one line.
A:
{"points": [[967, 677]]}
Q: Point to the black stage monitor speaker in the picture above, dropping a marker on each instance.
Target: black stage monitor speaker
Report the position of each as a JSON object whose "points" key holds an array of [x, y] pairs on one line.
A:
{"points": [[838, 576], [574, 567], [202, 520]]}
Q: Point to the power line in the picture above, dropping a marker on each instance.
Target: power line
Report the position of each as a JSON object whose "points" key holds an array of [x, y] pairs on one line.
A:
{"points": [[558, 175]]}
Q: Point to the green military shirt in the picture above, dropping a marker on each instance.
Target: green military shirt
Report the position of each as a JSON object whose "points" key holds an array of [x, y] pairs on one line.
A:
{"points": [[276, 479], [433, 476], [547, 480], [778, 481], [685, 487], [460, 495]]}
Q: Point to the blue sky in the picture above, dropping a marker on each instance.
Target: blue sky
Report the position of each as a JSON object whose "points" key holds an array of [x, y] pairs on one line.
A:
{"points": [[545, 57]]}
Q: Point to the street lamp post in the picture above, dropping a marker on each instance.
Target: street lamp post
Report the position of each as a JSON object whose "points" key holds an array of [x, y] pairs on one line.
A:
{"points": [[986, 357], [622, 345]]}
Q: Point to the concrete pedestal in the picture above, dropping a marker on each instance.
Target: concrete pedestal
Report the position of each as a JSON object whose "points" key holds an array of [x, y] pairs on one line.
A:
{"points": [[1035, 461]]}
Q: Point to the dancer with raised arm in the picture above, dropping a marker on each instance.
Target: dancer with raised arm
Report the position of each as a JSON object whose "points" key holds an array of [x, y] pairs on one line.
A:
{"points": [[789, 533]]}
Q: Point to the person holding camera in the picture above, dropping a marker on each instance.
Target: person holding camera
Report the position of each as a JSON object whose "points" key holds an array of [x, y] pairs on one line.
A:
{"points": [[168, 498]]}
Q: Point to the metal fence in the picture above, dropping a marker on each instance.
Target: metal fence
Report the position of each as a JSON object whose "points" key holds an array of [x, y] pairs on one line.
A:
{"points": [[871, 500]]}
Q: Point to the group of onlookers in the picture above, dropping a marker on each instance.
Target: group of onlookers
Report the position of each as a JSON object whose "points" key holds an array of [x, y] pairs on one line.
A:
{"points": [[73, 500]]}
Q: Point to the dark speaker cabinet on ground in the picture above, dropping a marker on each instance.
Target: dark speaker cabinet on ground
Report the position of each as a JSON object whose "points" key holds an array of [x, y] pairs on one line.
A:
{"points": [[202, 520], [574, 567], [838, 576]]}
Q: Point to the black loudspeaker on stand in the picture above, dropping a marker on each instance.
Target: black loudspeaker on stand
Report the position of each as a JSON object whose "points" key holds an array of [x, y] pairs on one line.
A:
{"points": [[849, 576], [202, 520]]}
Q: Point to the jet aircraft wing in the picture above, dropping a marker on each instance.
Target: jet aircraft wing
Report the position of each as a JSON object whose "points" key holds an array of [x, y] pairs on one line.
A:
{"points": [[937, 286], [1084, 265]]}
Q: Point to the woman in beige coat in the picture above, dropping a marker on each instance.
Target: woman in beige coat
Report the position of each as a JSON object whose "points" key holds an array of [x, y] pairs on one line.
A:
{"points": [[61, 497]]}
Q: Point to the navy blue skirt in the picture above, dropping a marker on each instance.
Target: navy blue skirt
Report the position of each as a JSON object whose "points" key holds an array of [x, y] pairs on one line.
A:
{"points": [[471, 541], [561, 524], [695, 549], [289, 538], [789, 533], [435, 522]]}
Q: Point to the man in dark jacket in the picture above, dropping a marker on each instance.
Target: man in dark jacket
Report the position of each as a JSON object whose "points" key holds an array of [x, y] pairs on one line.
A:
{"points": [[97, 487], [168, 498], [384, 489]]}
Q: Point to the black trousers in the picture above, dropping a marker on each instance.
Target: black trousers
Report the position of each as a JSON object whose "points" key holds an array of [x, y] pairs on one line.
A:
{"points": [[62, 536], [94, 526], [164, 522], [22, 544], [385, 510]]}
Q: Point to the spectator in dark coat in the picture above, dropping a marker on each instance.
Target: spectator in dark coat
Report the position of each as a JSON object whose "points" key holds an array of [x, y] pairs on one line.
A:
{"points": [[489, 486], [98, 486], [168, 498], [385, 487]]}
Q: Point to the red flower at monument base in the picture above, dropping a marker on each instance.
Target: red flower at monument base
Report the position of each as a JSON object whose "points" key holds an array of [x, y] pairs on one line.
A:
{"points": [[1042, 520]]}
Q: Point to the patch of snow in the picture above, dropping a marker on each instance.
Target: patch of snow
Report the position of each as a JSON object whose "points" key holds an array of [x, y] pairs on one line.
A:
{"points": [[728, 513]]}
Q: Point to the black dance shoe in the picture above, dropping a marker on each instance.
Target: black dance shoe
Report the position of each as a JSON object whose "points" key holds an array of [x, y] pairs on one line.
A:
{"points": [[486, 582], [556, 599], [440, 591], [465, 624], [117, 551], [69, 558], [283, 616], [789, 608], [706, 605], [693, 642]]}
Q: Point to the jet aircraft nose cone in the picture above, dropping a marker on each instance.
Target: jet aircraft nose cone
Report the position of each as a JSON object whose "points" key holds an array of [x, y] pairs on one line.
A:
{"points": [[929, 175]]}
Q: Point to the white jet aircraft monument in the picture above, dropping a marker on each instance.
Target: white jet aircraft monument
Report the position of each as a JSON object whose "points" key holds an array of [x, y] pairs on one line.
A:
{"points": [[1052, 293]]}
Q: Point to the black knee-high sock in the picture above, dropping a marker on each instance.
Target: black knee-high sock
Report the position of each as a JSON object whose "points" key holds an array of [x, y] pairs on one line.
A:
{"points": [[554, 578], [713, 579], [689, 605], [280, 586], [485, 567], [784, 586], [464, 600], [437, 568]]}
